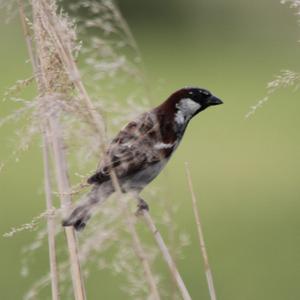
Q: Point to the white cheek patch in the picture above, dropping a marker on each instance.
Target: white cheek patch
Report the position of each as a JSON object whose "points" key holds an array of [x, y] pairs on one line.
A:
{"points": [[179, 117], [186, 109], [188, 106]]}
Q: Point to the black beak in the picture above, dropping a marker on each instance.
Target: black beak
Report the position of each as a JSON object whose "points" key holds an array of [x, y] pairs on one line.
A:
{"points": [[214, 101]]}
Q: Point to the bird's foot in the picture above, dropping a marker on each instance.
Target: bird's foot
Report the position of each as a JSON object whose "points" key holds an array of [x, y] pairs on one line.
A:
{"points": [[142, 206]]}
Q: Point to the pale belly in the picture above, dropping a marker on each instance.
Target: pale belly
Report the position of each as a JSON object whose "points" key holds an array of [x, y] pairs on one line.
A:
{"points": [[139, 180]]}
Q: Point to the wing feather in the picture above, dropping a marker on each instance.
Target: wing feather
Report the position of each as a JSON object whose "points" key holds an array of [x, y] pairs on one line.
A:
{"points": [[131, 150]]}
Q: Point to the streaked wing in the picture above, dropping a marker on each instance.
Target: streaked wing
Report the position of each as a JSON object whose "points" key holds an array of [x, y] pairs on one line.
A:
{"points": [[131, 150]]}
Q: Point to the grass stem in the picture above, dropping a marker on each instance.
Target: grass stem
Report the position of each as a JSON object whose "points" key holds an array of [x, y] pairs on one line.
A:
{"points": [[47, 176], [53, 133], [50, 223], [167, 256], [208, 272]]}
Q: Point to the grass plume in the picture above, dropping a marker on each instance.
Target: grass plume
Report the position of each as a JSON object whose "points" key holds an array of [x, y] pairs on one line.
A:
{"points": [[286, 78]]}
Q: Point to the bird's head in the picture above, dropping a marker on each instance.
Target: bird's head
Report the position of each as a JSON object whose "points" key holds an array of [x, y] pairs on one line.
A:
{"points": [[194, 99], [188, 102]]}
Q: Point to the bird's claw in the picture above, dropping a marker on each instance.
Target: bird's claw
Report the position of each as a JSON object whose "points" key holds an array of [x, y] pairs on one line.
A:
{"points": [[142, 206]]}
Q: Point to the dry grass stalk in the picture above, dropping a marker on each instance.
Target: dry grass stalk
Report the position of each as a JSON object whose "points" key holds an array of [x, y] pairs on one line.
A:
{"points": [[154, 294], [166, 254], [50, 223], [47, 175], [208, 272], [64, 190], [136, 241], [43, 78]]}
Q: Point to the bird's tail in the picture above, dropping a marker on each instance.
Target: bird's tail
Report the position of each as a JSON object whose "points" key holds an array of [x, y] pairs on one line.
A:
{"points": [[83, 212]]}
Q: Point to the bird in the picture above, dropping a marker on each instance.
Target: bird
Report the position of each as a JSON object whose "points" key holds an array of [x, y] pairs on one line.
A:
{"points": [[141, 150]]}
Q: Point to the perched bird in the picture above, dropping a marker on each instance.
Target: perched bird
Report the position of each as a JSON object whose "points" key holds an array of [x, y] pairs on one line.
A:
{"points": [[141, 150]]}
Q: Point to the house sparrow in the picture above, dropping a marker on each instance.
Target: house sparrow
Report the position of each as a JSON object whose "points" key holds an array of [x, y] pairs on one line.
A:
{"points": [[142, 149]]}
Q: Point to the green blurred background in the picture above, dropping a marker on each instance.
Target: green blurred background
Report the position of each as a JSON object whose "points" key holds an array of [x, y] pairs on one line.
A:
{"points": [[246, 171]]}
